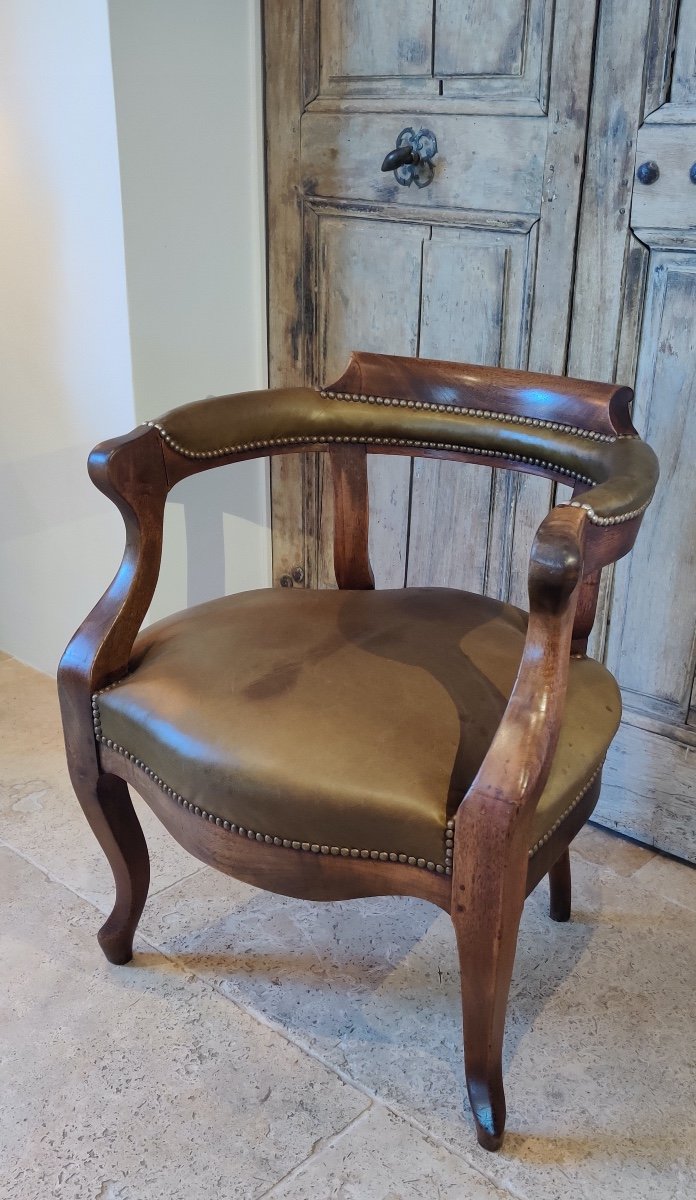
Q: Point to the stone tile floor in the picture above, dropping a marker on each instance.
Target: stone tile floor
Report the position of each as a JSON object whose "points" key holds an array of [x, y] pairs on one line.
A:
{"points": [[262, 1047]]}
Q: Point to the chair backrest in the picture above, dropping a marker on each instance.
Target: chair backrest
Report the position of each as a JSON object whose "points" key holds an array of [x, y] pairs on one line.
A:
{"points": [[569, 430]]}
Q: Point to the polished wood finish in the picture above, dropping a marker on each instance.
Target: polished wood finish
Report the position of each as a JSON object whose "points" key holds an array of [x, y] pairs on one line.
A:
{"points": [[493, 822], [598, 407], [492, 870], [351, 517], [130, 471]]}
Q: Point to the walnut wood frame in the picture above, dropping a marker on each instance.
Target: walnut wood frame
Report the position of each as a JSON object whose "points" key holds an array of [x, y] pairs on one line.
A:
{"points": [[493, 868]]}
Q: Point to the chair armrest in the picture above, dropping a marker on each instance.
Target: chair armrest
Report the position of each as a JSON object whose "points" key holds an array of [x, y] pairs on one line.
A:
{"points": [[493, 820], [517, 765], [130, 471]]}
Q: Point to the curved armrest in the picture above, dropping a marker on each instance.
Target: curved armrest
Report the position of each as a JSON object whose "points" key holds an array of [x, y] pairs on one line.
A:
{"points": [[517, 765], [130, 471], [493, 820]]}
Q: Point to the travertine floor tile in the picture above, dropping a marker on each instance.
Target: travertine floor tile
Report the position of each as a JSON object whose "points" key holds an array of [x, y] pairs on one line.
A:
{"points": [[138, 1083], [39, 814], [599, 1055], [597, 845], [673, 880], [30, 725], [382, 1157]]}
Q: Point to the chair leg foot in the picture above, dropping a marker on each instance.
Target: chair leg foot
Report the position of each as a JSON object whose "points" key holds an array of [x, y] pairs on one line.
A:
{"points": [[487, 1101], [109, 810], [484, 1001], [117, 944], [560, 888], [487, 940]]}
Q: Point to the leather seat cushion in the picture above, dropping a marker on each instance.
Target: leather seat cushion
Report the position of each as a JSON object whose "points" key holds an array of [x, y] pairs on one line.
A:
{"points": [[343, 719]]}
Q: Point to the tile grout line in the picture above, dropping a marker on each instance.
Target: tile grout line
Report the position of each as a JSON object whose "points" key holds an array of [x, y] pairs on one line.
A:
{"points": [[318, 1149], [47, 874], [75, 891], [161, 891]]}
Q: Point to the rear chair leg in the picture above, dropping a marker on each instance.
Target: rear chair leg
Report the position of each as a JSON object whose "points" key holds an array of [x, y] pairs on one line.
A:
{"points": [[109, 810], [560, 888]]}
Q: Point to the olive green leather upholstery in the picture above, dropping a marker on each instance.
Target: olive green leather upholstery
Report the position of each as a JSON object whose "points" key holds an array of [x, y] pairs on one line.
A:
{"points": [[343, 720], [621, 471]]}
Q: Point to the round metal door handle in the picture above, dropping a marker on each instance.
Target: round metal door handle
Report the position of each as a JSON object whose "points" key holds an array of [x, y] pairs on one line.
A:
{"points": [[648, 172]]}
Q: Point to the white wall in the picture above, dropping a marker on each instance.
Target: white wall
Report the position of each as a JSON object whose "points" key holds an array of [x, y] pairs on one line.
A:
{"points": [[187, 85], [187, 80], [65, 369]]}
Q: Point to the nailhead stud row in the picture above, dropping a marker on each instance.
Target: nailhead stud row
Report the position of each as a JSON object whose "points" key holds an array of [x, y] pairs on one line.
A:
{"points": [[556, 825], [511, 418], [287, 843], [416, 443], [315, 848], [592, 515]]}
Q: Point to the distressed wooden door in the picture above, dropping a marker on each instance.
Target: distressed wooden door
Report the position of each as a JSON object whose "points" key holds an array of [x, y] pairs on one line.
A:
{"points": [[476, 266], [534, 246], [634, 318]]}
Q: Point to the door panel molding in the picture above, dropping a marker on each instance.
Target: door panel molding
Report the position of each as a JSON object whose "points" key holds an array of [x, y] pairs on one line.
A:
{"points": [[481, 219], [477, 291], [367, 287], [647, 790], [487, 162]]}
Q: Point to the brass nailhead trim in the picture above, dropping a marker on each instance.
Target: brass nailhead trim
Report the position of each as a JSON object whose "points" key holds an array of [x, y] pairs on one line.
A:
{"points": [[344, 851], [514, 419], [556, 825], [416, 443], [511, 418], [288, 844], [637, 512]]}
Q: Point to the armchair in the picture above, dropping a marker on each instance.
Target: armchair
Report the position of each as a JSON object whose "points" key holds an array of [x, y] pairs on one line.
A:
{"points": [[335, 744]]}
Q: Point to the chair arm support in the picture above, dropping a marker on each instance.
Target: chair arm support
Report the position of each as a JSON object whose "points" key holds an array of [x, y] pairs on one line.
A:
{"points": [[130, 471], [516, 767], [492, 827]]}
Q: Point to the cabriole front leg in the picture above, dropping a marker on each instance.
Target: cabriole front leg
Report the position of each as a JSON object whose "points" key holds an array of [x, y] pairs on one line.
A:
{"points": [[488, 889], [109, 809]]}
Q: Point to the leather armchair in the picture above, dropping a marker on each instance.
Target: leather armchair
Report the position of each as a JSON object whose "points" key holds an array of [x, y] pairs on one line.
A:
{"points": [[333, 744]]}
